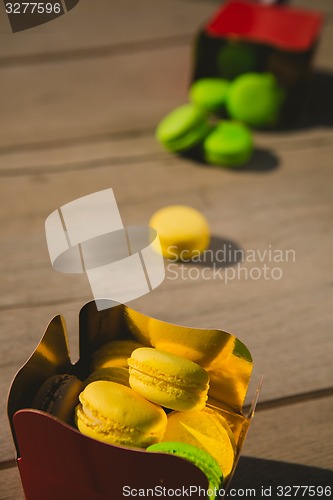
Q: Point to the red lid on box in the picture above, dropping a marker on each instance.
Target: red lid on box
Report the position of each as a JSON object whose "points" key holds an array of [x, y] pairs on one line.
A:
{"points": [[283, 27]]}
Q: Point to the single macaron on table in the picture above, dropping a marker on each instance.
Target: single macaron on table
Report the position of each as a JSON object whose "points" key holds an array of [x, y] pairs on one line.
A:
{"points": [[183, 231], [149, 406]]}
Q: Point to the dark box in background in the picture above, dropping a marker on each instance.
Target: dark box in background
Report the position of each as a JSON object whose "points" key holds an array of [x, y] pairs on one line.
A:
{"points": [[245, 36]]}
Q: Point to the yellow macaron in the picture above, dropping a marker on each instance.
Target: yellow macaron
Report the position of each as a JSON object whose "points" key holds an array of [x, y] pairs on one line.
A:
{"points": [[168, 379], [183, 231], [117, 374], [114, 353], [116, 414], [206, 429]]}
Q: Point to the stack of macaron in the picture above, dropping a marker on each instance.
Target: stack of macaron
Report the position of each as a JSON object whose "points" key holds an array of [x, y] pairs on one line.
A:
{"points": [[160, 405], [250, 99], [227, 143], [143, 397]]}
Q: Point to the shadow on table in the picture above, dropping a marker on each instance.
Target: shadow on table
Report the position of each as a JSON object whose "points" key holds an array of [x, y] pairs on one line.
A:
{"points": [[263, 160], [221, 253], [319, 109], [257, 473], [317, 105]]}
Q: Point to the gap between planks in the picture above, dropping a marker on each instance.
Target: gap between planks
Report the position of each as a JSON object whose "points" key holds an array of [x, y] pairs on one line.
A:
{"points": [[67, 142], [293, 399], [86, 165], [280, 143], [125, 48]]}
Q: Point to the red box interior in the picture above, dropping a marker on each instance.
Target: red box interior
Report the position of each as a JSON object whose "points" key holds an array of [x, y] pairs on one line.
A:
{"points": [[282, 27]]}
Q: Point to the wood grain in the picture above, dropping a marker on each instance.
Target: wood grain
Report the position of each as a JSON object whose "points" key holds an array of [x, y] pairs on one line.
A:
{"points": [[79, 108], [10, 485], [256, 310], [284, 435], [87, 95], [85, 29]]}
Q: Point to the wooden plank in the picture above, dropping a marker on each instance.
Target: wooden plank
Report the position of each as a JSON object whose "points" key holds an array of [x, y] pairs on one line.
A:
{"points": [[103, 25], [258, 315], [125, 92], [279, 309], [299, 186], [32, 198], [320, 6], [248, 207], [79, 153], [10, 485], [284, 434], [136, 146], [125, 157], [75, 34], [120, 93], [299, 340], [288, 446]]}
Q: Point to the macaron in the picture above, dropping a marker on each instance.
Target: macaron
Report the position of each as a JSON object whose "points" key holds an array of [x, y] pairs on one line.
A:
{"points": [[167, 379], [255, 99], [206, 429], [183, 231], [118, 374], [183, 128], [58, 396], [116, 414], [234, 59], [200, 458], [230, 144], [209, 93], [114, 353]]}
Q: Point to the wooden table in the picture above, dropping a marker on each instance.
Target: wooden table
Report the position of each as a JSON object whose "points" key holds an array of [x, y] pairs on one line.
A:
{"points": [[80, 98]]}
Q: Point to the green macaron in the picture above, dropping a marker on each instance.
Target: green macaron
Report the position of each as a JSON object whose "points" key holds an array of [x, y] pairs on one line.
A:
{"points": [[234, 59], [230, 144], [183, 128], [200, 458], [209, 93], [255, 99]]}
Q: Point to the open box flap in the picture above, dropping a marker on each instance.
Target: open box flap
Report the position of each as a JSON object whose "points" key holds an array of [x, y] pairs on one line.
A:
{"points": [[51, 356]]}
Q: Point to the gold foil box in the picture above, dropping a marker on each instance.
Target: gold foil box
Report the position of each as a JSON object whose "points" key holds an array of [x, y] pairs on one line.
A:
{"points": [[56, 456]]}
